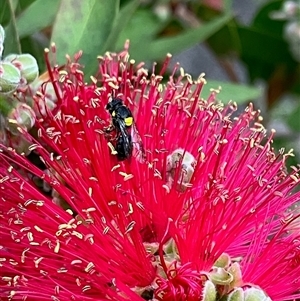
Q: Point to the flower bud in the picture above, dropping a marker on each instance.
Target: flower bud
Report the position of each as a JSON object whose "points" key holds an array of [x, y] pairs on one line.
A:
{"points": [[10, 77], [236, 295], [27, 64], [209, 291], [223, 261], [256, 294], [20, 116], [220, 276], [2, 37], [235, 271], [20, 144]]}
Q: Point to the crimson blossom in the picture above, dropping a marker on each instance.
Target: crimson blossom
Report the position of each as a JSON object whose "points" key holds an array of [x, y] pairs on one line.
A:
{"points": [[201, 210]]}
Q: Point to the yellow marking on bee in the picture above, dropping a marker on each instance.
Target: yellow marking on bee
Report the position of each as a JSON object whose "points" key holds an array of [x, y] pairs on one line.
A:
{"points": [[128, 121], [113, 114]]}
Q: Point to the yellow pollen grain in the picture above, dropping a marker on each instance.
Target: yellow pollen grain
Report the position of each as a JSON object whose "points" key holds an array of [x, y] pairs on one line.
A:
{"points": [[44, 273], [78, 282], [94, 179], [112, 85], [140, 206], [130, 227], [76, 261], [33, 243], [30, 236], [6, 278], [112, 149], [39, 94], [58, 233], [278, 193], [69, 211], [166, 187], [33, 147], [37, 261], [37, 228], [57, 247], [12, 121], [13, 262], [72, 221], [105, 230], [116, 167], [56, 290], [15, 280], [130, 211], [89, 267], [4, 179], [86, 288], [77, 234], [64, 226], [93, 79], [126, 176], [294, 178], [91, 209]]}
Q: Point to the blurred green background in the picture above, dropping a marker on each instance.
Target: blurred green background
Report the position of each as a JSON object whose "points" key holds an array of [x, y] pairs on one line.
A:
{"points": [[255, 60]]}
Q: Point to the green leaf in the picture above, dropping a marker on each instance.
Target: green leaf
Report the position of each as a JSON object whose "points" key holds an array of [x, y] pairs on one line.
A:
{"points": [[294, 120], [263, 47], [12, 41], [227, 5], [141, 29], [83, 25], [144, 46], [123, 17], [238, 93], [4, 16], [263, 20], [44, 13]]}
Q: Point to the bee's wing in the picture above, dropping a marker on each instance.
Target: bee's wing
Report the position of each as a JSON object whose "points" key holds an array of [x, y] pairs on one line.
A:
{"points": [[127, 141], [138, 147]]}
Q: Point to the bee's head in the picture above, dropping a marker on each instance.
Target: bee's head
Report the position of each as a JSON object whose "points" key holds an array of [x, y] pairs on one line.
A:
{"points": [[114, 104]]}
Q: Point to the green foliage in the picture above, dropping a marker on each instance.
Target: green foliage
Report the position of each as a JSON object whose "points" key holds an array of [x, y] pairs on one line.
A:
{"points": [[232, 92]]}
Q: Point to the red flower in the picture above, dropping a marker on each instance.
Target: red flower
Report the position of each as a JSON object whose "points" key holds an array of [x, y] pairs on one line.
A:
{"points": [[201, 181]]}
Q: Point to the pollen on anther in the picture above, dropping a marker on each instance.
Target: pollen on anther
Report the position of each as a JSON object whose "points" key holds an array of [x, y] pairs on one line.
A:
{"points": [[112, 149], [126, 176], [57, 247]]}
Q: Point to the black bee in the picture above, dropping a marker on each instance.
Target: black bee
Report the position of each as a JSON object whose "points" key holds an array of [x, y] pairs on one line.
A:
{"points": [[126, 133], [148, 294]]}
